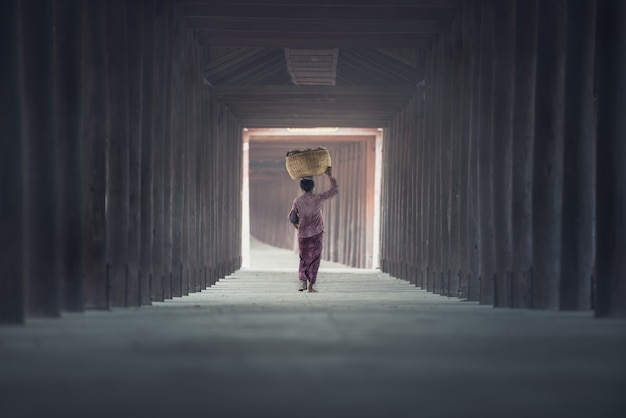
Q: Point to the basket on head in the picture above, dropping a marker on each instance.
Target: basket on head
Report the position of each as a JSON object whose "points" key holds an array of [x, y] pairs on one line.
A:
{"points": [[307, 162]]}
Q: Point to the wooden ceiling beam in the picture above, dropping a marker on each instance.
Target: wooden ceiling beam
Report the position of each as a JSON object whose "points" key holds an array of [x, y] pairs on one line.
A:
{"points": [[318, 26], [327, 11], [316, 90], [389, 3], [313, 40], [278, 122]]}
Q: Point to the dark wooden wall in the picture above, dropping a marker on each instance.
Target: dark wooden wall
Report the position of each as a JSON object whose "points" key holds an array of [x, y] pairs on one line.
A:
{"points": [[120, 168], [495, 200]]}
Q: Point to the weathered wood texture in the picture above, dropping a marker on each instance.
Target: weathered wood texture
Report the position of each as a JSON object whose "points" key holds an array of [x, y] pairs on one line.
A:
{"points": [[611, 150], [12, 299], [104, 173], [506, 149]]}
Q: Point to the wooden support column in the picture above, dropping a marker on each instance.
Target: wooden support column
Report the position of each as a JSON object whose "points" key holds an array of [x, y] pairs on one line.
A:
{"points": [[159, 157], [504, 73], [472, 32], [205, 197], [577, 241], [117, 155], [168, 45], [12, 280], [485, 158], [67, 108], [456, 158], [147, 272], [548, 158], [611, 154], [429, 168], [467, 61], [445, 144], [523, 150], [94, 133], [436, 155], [177, 141], [41, 189], [423, 189], [135, 16]]}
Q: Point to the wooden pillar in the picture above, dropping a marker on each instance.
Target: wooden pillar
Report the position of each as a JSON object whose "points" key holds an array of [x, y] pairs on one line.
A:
{"points": [[523, 150], [504, 73], [12, 280], [468, 59], [40, 163], [94, 132], [421, 185], [429, 168], [445, 144], [147, 272], [472, 31], [177, 143], [456, 157], [168, 45], [67, 107], [117, 155], [579, 160], [159, 158], [611, 154], [548, 150], [135, 17], [486, 158]]}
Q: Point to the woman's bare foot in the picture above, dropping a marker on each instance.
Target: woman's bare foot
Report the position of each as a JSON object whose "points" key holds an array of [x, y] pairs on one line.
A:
{"points": [[303, 287], [311, 290]]}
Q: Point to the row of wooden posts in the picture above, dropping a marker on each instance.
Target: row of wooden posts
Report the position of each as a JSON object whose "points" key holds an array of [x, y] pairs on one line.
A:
{"points": [[119, 166], [349, 218], [512, 192]]}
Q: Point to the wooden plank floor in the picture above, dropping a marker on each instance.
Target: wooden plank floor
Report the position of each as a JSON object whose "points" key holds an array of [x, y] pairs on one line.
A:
{"points": [[366, 345]]}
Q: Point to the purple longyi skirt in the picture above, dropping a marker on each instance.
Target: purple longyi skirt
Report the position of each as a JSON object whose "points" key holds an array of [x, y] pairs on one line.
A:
{"points": [[310, 253]]}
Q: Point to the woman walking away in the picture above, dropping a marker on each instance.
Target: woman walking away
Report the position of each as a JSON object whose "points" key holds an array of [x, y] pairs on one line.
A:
{"points": [[306, 216]]}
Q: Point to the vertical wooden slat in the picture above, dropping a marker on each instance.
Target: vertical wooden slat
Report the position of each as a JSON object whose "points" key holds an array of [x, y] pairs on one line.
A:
{"points": [[456, 155], [473, 209], [159, 180], [611, 154], [523, 150], [177, 143], [135, 17], [67, 106], [579, 164], [548, 154], [147, 272], [12, 280], [504, 72], [485, 158], [94, 132], [117, 154], [168, 45], [40, 164]]}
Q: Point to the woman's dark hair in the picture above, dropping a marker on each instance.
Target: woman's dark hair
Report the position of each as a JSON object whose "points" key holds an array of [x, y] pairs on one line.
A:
{"points": [[307, 185]]}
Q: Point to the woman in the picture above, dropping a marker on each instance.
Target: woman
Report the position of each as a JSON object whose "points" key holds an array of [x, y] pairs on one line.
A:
{"points": [[306, 216]]}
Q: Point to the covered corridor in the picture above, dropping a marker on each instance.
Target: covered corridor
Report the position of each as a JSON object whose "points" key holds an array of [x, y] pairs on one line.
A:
{"points": [[475, 256]]}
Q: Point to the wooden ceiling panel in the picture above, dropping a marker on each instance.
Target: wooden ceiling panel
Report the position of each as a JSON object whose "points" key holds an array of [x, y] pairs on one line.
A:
{"points": [[269, 61]]}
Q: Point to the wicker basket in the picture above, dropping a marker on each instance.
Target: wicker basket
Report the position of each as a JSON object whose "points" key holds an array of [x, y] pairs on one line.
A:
{"points": [[307, 163]]}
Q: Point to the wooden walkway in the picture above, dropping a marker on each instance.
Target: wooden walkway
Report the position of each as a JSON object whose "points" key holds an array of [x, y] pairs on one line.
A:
{"points": [[366, 345]]}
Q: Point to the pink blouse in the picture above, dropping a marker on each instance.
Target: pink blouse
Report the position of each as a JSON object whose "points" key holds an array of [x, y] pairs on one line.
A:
{"points": [[308, 207]]}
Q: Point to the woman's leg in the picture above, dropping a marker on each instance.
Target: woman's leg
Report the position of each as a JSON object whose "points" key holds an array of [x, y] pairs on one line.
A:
{"points": [[310, 256]]}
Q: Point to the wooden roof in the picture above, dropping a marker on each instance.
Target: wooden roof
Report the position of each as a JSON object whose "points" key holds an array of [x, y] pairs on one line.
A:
{"points": [[346, 63]]}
